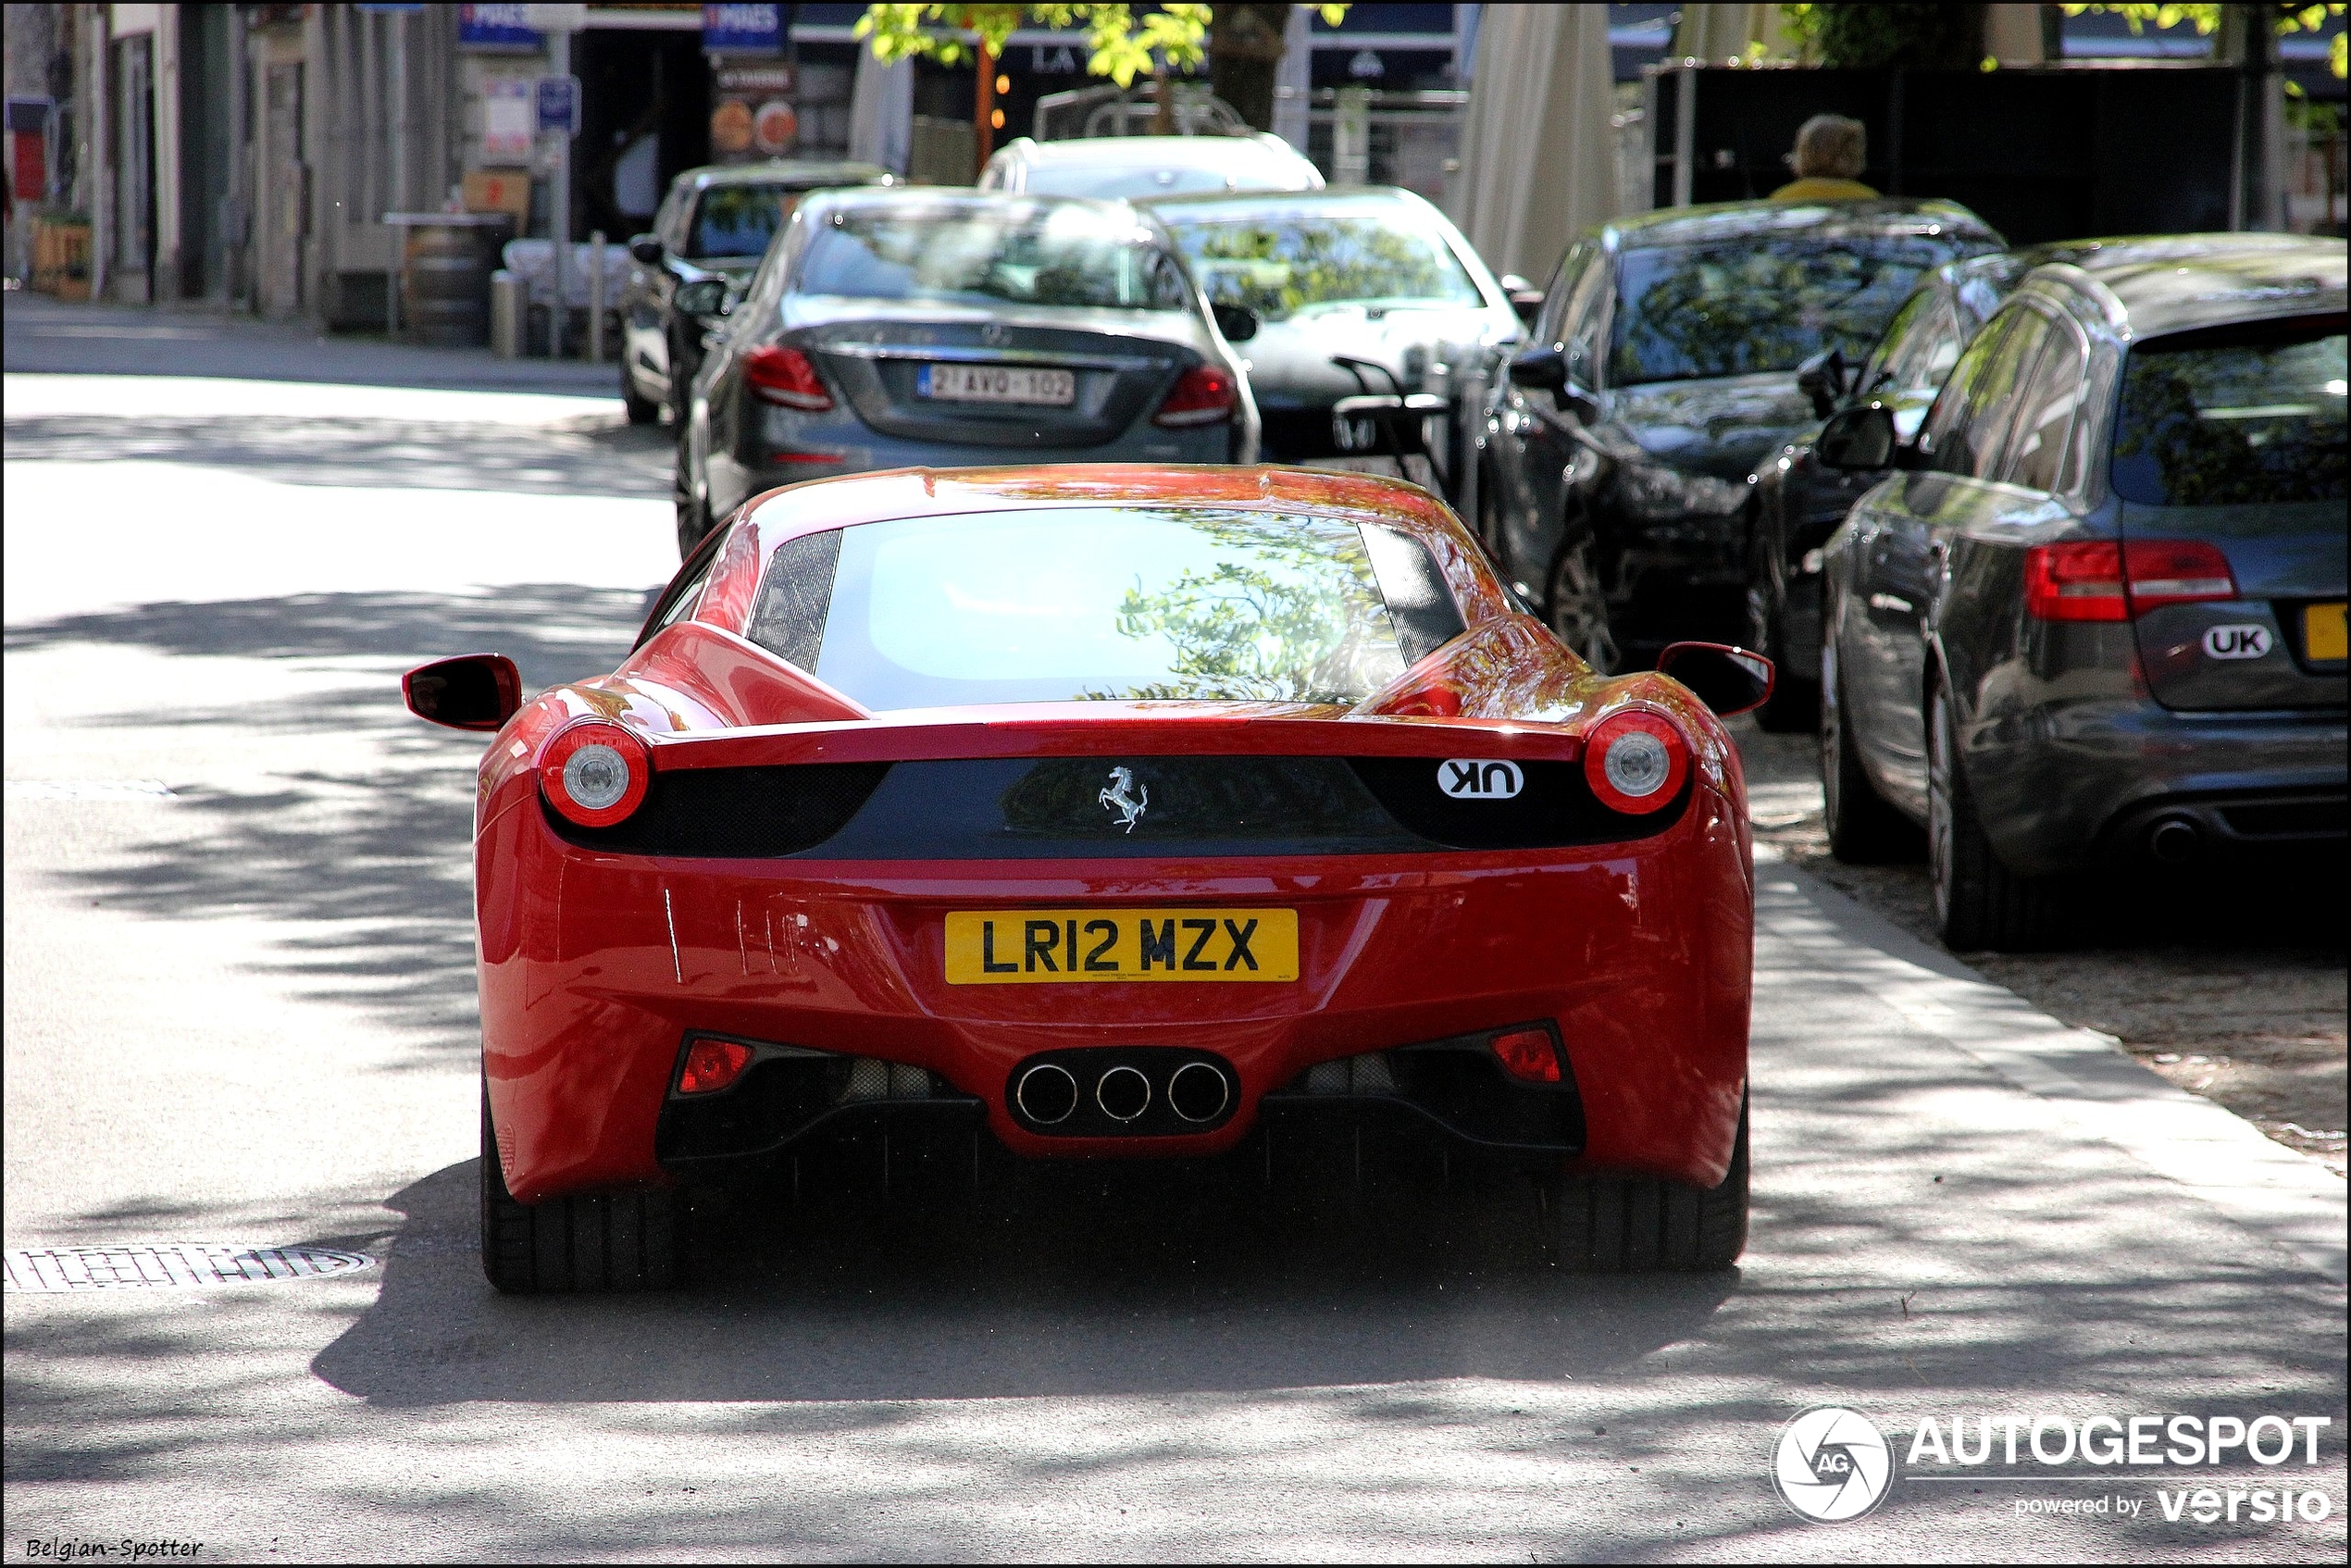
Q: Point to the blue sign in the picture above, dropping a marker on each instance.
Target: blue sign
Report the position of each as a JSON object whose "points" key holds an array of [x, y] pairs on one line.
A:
{"points": [[558, 101], [743, 30], [496, 27]]}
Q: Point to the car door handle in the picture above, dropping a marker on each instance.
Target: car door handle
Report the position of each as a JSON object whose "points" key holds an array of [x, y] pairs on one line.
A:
{"points": [[1894, 602]]}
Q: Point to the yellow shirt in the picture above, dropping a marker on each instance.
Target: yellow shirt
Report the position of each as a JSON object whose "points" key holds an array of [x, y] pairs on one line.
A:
{"points": [[1816, 190]]}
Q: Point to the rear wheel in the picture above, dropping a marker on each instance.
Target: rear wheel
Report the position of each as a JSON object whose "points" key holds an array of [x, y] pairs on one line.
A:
{"points": [[1979, 903], [1577, 602], [624, 1241], [1794, 705], [1633, 1224], [1863, 829]]}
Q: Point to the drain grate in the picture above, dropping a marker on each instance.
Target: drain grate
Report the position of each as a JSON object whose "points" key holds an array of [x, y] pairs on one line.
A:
{"points": [[145, 1267]]}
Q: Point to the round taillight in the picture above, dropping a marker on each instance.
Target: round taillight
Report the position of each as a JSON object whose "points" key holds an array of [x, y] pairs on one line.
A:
{"points": [[1635, 761], [595, 772]]}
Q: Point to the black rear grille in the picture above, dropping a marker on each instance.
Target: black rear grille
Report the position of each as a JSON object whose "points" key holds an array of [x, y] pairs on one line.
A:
{"points": [[736, 813], [2321, 818], [1076, 808]]}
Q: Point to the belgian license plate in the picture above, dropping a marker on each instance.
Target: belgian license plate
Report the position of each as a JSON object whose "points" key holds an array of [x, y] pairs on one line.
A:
{"points": [[996, 383], [2322, 633], [998, 947]]}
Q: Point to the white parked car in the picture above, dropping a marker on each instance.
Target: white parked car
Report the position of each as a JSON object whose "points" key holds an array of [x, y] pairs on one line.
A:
{"points": [[1139, 167]]}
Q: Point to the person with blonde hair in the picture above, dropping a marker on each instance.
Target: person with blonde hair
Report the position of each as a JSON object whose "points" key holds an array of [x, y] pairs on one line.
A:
{"points": [[1829, 154]]}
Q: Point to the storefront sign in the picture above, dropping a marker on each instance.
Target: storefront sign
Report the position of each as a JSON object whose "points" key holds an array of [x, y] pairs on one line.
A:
{"points": [[508, 125], [496, 27], [743, 30], [754, 117]]}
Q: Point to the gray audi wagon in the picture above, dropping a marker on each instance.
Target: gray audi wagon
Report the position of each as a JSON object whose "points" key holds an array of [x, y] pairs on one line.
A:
{"points": [[2096, 616]]}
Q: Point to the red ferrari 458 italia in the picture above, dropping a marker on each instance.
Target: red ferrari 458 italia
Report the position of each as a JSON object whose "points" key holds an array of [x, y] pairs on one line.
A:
{"points": [[1104, 813]]}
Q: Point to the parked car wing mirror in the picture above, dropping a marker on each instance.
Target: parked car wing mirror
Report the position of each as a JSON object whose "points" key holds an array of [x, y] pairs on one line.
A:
{"points": [[1859, 439], [646, 249], [1525, 298], [476, 692], [1238, 322], [1539, 369], [1823, 378], [704, 296], [1729, 680]]}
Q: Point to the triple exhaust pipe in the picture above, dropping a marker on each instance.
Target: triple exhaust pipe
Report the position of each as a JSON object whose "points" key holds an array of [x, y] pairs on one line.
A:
{"points": [[1049, 1093]]}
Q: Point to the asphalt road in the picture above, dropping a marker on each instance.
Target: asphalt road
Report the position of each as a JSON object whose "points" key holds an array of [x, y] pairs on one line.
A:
{"points": [[242, 1011]]}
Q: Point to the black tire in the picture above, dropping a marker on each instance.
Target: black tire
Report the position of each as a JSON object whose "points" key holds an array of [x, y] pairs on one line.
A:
{"points": [[1794, 706], [641, 410], [1979, 903], [1642, 1225], [693, 517], [1576, 603], [1863, 829], [624, 1241]]}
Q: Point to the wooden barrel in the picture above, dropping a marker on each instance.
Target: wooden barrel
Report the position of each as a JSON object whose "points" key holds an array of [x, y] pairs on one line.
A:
{"points": [[444, 297]]}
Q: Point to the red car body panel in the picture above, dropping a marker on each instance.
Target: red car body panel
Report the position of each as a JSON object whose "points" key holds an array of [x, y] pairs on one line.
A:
{"points": [[595, 965]]}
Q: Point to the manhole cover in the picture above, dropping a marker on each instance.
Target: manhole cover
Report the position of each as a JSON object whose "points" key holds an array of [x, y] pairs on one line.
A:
{"points": [[169, 1267]]}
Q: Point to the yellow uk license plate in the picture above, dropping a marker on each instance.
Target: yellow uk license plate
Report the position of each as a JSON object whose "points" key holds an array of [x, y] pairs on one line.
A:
{"points": [[2322, 632], [998, 946]]}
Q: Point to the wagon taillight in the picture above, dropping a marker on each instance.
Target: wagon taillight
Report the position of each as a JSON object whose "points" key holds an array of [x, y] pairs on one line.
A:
{"points": [[595, 773]]}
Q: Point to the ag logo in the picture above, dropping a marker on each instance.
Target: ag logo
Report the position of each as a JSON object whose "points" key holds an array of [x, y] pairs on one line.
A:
{"points": [[1476, 780], [2236, 641], [1831, 1464]]}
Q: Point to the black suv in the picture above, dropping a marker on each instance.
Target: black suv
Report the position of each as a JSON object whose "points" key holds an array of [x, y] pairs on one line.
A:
{"points": [[1617, 460]]}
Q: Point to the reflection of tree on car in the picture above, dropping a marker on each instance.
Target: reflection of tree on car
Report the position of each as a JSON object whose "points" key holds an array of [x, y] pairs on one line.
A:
{"points": [[2201, 426], [1271, 620]]}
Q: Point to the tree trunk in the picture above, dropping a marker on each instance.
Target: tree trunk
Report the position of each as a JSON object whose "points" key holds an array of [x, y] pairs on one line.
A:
{"points": [[1244, 57]]}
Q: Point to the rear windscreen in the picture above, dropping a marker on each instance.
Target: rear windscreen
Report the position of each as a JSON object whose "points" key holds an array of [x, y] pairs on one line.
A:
{"points": [[1088, 603], [1279, 262], [1007, 251], [2241, 415], [738, 220]]}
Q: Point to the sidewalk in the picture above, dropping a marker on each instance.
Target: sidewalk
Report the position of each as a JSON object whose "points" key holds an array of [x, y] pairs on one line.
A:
{"points": [[44, 335]]}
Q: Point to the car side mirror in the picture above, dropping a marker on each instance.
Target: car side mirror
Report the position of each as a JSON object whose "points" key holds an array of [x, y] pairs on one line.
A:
{"points": [[1539, 369], [646, 249], [1821, 378], [1527, 300], [704, 297], [1857, 439], [1238, 322], [1729, 680], [477, 692]]}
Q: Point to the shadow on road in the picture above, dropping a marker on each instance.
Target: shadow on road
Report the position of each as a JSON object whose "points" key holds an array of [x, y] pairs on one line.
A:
{"points": [[360, 865], [1062, 1282], [596, 457]]}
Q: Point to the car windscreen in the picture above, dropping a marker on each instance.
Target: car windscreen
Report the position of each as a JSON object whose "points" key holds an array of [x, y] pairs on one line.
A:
{"points": [[1743, 307], [2234, 414], [1099, 603], [738, 220], [1016, 251], [1278, 262]]}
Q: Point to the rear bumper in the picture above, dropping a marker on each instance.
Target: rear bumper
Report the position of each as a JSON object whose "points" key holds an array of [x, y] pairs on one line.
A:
{"points": [[596, 966], [2070, 786], [788, 447]]}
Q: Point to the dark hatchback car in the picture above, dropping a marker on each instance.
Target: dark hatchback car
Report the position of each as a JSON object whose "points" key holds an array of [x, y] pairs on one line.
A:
{"points": [[1797, 502], [710, 232], [1617, 458], [1378, 277], [2096, 619], [957, 329]]}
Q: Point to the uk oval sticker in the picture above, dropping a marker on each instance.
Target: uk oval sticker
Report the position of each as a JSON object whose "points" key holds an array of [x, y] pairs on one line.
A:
{"points": [[2236, 641], [1479, 780]]}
